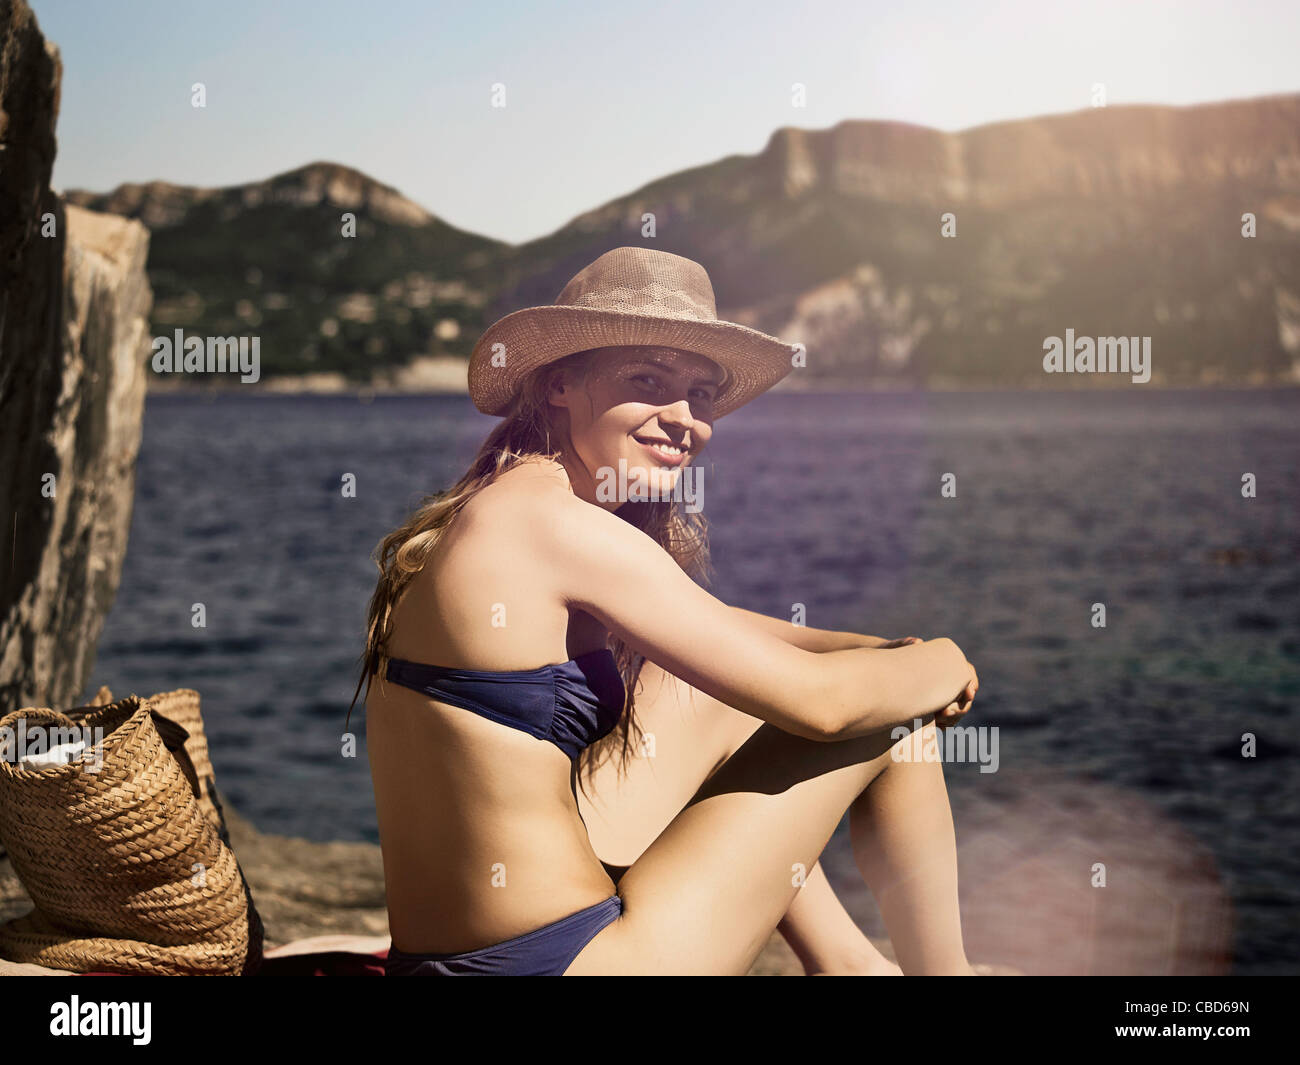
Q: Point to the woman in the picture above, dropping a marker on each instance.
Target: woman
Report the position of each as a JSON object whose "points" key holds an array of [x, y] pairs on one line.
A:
{"points": [[563, 545]]}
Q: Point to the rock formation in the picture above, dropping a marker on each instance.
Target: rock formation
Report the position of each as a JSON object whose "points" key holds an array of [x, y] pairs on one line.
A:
{"points": [[74, 314], [1092, 153]]}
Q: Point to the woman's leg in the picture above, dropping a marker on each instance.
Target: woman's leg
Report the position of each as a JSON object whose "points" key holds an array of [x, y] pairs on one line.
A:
{"points": [[906, 850], [687, 736], [825, 938], [692, 735], [705, 896]]}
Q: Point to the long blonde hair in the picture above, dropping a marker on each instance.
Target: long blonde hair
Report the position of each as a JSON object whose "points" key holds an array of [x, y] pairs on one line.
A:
{"points": [[523, 435]]}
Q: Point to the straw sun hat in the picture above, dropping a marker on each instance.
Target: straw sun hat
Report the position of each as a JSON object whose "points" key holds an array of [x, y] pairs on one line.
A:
{"points": [[630, 295]]}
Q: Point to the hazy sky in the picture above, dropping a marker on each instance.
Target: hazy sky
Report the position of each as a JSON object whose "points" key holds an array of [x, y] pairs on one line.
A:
{"points": [[600, 97]]}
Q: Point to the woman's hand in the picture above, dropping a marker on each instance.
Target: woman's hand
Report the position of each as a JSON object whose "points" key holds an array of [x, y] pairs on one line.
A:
{"points": [[884, 644], [956, 710]]}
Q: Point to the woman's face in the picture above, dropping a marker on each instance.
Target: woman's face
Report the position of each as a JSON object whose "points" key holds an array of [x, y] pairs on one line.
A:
{"points": [[650, 407]]}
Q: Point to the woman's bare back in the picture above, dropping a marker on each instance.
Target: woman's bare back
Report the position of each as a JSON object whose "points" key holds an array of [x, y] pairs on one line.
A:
{"points": [[481, 835]]}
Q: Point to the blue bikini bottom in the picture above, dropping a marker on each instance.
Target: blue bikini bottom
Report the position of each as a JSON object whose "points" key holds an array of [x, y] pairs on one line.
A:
{"points": [[545, 951]]}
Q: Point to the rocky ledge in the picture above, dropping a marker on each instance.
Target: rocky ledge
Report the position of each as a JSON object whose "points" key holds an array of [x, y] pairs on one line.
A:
{"points": [[304, 889]]}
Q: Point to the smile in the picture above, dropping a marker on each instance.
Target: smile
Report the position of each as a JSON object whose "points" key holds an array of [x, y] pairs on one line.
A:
{"points": [[668, 454]]}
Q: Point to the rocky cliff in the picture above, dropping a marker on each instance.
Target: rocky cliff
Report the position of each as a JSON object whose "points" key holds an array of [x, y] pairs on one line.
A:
{"points": [[1098, 153], [74, 307]]}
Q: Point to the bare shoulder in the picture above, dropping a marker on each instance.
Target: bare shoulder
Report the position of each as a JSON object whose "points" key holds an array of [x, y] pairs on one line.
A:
{"points": [[561, 525], [488, 556], [517, 497], [530, 519]]}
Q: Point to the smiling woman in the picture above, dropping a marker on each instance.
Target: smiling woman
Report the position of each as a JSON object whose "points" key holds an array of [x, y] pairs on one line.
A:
{"points": [[638, 381], [640, 385], [475, 748]]}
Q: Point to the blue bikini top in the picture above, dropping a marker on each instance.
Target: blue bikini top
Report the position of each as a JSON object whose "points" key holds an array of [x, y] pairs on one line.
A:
{"points": [[572, 704]]}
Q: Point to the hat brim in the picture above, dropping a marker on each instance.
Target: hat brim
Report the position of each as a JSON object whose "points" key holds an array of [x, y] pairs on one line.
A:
{"points": [[535, 336]]}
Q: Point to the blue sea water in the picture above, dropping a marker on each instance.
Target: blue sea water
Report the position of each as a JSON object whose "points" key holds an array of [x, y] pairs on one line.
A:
{"points": [[1124, 830]]}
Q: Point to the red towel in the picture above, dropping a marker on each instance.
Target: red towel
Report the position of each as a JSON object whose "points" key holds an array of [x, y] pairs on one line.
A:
{"points": [[329, 963]]}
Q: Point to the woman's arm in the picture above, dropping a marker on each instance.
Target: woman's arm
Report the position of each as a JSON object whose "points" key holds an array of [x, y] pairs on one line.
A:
{"points": [[817, 640], [598, 563]]}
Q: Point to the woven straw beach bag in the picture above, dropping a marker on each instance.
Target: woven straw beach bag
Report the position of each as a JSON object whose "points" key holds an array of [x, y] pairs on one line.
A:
{"points": [[126, 872], [182, 707]]}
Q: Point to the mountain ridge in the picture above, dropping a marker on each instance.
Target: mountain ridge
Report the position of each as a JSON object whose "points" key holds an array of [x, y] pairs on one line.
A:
{"points": [[1123, 220]]}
